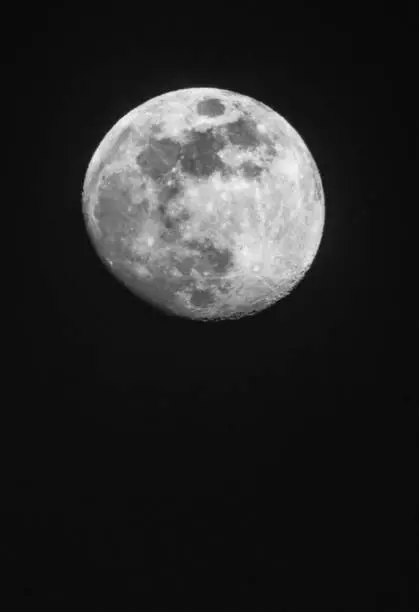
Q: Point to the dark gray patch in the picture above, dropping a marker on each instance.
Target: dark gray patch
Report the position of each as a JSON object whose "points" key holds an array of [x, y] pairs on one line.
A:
{"points": [[199, 156], [115, 198], [168, 193], [211, 258], [123, 136], [211, 107], [242, 133], [114, 201], [111, 221], [156, 129], [159, 157], [220, 260], [169, 219], [170, 233], [251, 170], [202, 298], [171, 226], [161, 287], [270, 150], [117, 217], [185, 264], [142, 207]]}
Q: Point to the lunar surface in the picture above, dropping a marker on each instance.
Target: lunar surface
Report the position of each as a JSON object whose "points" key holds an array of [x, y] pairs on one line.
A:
{"points": [[206, 203]]}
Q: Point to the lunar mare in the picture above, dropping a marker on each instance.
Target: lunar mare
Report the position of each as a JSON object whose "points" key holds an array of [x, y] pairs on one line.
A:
{"points": [[214, 167]]}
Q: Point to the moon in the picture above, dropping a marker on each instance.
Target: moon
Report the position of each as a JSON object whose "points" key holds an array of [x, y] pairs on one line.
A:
{"points": [[206, 202]]}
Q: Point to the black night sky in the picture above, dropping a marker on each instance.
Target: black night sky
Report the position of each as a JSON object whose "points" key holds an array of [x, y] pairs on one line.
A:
{"points": [[269, 460]]}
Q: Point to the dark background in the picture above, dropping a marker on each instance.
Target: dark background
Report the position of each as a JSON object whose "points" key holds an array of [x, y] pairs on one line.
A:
{"points": [[264, 461]]}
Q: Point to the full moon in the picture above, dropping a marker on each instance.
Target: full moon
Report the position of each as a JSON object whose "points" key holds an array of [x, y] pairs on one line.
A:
{"points": [[206, 203]]}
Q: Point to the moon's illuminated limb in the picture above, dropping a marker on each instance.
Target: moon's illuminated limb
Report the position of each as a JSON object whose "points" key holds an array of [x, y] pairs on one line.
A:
{"points": [[277, 222]]}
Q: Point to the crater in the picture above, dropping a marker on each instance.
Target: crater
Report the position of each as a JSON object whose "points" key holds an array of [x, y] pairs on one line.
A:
{"points": [[210, 107]]}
